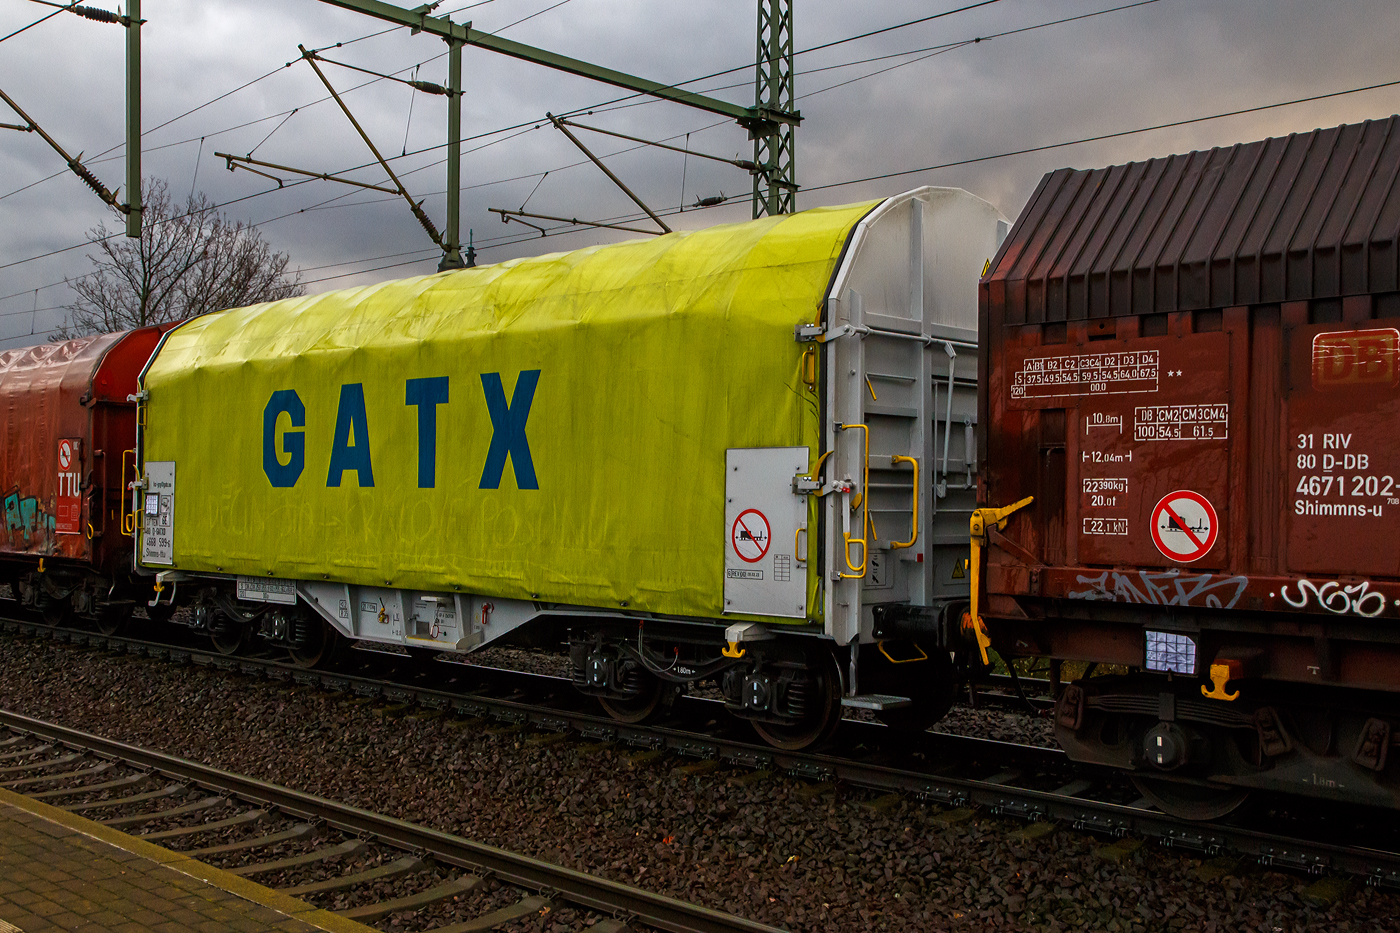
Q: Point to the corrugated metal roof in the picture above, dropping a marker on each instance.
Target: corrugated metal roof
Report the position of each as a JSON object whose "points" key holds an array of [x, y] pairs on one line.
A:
{"points": [[1312, 215]]}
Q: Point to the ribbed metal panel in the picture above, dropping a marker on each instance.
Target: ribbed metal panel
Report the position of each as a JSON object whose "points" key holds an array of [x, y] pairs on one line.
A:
{"points": [[1308, 216]]}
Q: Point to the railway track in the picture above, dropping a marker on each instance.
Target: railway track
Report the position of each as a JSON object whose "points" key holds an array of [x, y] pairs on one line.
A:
{"points": [[1039, 786], [184, 805]]}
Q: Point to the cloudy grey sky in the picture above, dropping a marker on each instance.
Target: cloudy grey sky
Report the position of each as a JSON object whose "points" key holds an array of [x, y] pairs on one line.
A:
{"points": [[901, 100]]}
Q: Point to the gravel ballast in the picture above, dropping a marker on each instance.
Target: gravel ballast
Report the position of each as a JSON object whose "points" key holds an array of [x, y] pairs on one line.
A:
{"points": [[775, 849]]}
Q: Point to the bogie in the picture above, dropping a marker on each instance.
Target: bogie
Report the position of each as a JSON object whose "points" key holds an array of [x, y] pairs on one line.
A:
{"points": [[789, 689]]}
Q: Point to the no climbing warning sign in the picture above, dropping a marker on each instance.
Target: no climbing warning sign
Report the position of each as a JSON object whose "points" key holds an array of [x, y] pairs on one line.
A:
{"points": [[751, 535], [1184, 526]]}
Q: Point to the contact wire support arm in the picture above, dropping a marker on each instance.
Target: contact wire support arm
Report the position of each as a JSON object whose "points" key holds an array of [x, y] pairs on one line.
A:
{"points": [[74, 164], [508, 215], [983, 520], [246, 163], [561, 127], [423, 218], [747, 165]]}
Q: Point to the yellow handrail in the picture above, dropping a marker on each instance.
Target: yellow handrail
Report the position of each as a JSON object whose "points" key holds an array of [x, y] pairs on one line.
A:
{"points": [[863, 540], [914, 537], [127, 514]]}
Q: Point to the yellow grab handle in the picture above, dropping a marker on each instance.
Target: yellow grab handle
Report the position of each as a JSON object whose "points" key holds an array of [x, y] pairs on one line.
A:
{"points": [[981, 520], [923, 656], [796, 539], [914, 535], [864, 539], [128, 517]]}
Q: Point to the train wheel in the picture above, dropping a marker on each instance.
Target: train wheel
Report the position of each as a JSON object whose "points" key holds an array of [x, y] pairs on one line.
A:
{"points": [[641, 707], [113, 620], [228, 638], [823, 713], [317, 645], [57, 611], [1191, 801]]}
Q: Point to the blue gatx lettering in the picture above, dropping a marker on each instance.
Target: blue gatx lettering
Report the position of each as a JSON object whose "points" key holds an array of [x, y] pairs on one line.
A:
{"points": [[508, 430], [350, 449], [293, 442], [350, 419], [427, 394]]}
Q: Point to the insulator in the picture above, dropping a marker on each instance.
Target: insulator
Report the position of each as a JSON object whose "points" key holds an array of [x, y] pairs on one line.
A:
{"points": [[428, 226], [91, 180], [428, 87], [92, 12]]}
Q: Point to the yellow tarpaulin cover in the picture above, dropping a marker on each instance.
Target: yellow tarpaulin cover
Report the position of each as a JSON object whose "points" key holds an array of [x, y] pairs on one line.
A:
{"points": [[551, 428]]}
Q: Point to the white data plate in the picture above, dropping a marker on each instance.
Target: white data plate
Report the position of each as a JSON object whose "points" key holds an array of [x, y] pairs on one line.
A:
{"points": [[267, 590], [762, 575], [158, 514]]}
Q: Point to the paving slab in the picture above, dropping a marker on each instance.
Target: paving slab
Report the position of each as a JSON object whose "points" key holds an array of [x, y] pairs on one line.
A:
{"points": [[63, 872]]}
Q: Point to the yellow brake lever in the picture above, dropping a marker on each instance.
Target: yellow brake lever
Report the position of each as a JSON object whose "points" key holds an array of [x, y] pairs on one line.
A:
{"points": [[982, 520]]}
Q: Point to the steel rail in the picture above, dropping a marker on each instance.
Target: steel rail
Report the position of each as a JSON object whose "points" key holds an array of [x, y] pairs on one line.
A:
{"points": [[577, 887], [997, 795]]}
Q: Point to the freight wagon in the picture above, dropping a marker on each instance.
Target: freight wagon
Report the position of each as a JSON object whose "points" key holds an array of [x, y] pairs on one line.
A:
{"points": [[1191, 453], [742, 454], [67, 432]]}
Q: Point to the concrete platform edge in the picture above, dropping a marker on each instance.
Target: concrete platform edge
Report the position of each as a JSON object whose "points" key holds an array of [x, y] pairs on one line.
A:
{"points": [[217, 877]]}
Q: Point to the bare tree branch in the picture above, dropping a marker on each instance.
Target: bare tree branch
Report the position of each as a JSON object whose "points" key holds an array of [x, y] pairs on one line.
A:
{"points": [[187, 262]]}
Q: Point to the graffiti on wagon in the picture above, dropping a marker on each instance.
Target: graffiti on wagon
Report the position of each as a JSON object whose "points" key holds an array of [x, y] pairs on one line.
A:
{"points": [[1162, 588]]}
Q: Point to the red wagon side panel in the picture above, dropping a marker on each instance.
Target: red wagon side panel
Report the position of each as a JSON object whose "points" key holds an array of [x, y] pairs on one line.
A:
{"points": [[40, 392], [64, 424], [1194, 368]]}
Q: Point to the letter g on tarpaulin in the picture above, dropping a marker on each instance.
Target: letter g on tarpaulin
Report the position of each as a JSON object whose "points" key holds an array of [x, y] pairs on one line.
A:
{"points": [[293, 443]]}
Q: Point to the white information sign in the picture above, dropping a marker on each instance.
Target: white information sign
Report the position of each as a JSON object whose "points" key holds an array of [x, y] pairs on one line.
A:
{"points": [[762, 515], [158, 520]]}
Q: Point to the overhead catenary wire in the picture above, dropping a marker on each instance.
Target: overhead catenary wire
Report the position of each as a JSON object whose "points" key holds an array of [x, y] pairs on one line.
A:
{"points": [[408, 124], [194, 179], [102, 156], [998, 155], [893, 174], [531, 16], [269, 135], [281, 185], [41, 19], [628, 97], [502, 29]]}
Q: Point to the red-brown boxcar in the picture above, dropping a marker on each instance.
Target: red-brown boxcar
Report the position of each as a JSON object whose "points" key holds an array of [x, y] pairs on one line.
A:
{"points": [[67, 434], [1193, 366]]}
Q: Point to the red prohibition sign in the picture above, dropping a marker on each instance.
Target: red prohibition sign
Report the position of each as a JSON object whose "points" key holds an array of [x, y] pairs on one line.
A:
{"points": [[65, 454], [1184, 526], [751, 536]]}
